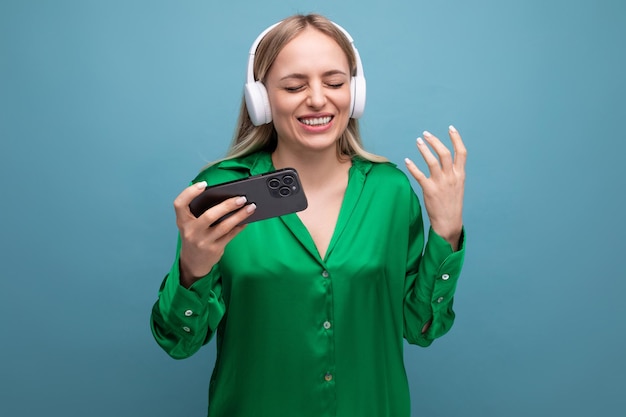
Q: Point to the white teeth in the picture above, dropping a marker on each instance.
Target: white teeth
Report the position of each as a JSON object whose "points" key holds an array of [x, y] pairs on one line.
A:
{"points": [[316, 121]]}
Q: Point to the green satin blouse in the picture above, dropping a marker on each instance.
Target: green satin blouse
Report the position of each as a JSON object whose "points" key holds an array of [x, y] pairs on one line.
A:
{"points": [[298, 335]]}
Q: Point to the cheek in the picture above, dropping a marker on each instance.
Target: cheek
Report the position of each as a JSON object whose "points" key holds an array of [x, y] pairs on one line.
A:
{"points": [[343, 100], [282, 104]]}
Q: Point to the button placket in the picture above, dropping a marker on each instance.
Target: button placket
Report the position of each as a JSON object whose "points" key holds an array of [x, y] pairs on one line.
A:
{"points": [[327, 328]]}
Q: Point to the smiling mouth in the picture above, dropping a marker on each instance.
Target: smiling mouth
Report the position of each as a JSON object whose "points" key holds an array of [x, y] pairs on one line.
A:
{"points": [[316, 121]]}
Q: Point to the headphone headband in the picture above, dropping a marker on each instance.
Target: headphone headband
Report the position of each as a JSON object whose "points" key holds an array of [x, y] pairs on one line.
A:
{"points": [[256, 97], [252, 53]]}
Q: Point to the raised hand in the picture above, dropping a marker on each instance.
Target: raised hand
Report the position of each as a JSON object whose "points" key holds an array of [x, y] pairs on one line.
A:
{"points": [[443, 191]]}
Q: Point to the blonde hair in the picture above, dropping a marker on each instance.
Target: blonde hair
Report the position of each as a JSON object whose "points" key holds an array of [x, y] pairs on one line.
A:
{"points": [[249, 138]]}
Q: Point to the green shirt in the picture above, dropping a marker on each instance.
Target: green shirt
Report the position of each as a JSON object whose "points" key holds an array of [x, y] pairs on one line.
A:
{"points": [[298, 335]]}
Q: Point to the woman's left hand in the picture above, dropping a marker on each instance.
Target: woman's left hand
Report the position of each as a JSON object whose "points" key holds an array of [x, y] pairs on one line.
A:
{"points": [[443, 191]]}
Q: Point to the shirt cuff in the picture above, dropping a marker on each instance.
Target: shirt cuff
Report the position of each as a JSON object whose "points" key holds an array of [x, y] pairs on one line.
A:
{"points": [[187, 309], [446, 266]]}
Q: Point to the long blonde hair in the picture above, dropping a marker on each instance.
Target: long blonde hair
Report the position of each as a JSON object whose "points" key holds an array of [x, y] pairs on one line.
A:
{"points": [[249, 138]]}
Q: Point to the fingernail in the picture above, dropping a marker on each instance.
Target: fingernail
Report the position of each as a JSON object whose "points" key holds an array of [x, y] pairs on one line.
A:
{"points": [[426, 133], [250, 207], [241, 201], [420, 141], [201, 185], [452, 129], [407, 161]]}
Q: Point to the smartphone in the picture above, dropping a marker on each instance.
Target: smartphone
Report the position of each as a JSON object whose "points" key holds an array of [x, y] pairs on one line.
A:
{"points": [[275, 193]]}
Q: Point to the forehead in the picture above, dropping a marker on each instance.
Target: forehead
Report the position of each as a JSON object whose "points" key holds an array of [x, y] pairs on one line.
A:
{"points": [[310, 50]]}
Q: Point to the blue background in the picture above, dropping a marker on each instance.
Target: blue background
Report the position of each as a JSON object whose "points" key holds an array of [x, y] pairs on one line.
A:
{"points": [[109, 108]]}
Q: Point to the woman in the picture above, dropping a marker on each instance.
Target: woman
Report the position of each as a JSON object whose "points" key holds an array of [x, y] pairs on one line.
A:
{"points": [[311, 309]]}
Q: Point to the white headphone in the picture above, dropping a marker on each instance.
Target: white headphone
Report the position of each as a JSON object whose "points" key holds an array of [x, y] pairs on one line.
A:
{"points": [[258, 103]]}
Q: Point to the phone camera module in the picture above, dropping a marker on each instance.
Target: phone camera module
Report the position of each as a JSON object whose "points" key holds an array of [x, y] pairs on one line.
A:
{"points": [[283, 185]]}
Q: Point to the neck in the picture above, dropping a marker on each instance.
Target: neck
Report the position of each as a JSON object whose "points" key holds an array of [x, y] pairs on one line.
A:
{"points": [[315, 169]]}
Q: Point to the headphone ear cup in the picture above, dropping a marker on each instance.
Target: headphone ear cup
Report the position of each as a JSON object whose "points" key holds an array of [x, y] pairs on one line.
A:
{"points": [[258, 103], [357, 87]]}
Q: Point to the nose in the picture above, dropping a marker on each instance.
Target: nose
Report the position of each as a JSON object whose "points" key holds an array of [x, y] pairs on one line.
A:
{"points": [[317, 96]]}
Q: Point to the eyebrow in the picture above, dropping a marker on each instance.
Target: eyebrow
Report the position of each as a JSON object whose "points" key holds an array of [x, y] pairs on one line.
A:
{"points": [[303, 76]]}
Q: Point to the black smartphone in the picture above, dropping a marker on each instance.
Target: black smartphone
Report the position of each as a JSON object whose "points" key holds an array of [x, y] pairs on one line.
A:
{"points": [[275, 193]]}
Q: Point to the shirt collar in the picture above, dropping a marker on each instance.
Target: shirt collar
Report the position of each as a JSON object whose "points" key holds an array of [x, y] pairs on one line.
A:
{"points": [[261, 162], [255, 163]]}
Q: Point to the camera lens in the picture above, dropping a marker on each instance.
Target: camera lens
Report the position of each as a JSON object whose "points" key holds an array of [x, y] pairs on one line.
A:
{"points": [[288, 180], [284, 191], [273, 183]]}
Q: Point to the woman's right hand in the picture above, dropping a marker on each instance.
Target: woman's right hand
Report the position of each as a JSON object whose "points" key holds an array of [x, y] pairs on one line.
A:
{"points": [[202, 244]]}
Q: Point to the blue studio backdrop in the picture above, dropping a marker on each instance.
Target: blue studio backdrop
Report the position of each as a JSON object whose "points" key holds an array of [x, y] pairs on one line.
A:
{"points": [[109, 108]]}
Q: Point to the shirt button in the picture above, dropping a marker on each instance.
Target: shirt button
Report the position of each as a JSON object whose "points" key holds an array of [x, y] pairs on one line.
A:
{"points": [[188, 313], [445, 277], [440, 299], [327, 325], [187, 329], [325, 274], [328, 377]]}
